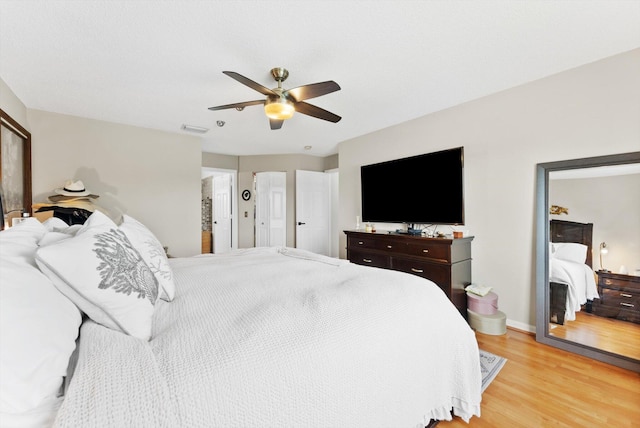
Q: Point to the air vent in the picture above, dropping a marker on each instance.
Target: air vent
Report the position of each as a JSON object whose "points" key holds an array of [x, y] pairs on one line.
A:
{"points": [[196, 129]]}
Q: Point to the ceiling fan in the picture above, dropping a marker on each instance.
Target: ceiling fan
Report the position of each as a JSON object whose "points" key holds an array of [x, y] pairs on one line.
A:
{"points": [[280, 103]]}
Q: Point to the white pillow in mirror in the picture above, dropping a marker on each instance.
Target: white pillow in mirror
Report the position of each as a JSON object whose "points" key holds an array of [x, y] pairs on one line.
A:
{"points": [[570, 251]]}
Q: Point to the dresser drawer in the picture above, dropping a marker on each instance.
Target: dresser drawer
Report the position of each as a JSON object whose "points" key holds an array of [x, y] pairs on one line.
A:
{"points": [[356, 242], [375, 242], [428, 250], [617, 312], [440, 274], [369, 259], [620, 298], [390, 245], [625, 284]]}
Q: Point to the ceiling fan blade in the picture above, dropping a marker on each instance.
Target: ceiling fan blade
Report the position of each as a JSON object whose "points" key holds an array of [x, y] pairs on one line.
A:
{"points": [[238, 105], [275, 124], [250, 83], [313, 90], [311, 110]]}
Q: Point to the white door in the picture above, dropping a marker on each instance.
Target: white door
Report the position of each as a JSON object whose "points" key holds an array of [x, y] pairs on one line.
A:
{"points": [[262, 210], [222, 213], [271, 209], [313, 211]]}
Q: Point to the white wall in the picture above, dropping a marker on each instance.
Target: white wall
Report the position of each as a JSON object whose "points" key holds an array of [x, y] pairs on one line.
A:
{"points": [[263, 163], [153, 176], [588, 111], [12, 105]]}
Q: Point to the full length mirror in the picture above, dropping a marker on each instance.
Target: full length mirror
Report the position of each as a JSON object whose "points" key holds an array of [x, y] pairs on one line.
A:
{"points": [[588, 257]]}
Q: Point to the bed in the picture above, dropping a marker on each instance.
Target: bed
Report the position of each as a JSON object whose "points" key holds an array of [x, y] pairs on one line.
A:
{"points": [[100, 329], [571, 277]]}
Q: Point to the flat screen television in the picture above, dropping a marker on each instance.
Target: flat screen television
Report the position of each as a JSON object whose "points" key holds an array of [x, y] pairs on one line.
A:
{"points": [[423, 189]]}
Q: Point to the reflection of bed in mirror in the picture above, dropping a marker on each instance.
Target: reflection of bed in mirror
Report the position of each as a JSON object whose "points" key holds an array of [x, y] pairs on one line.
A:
{"points": [[571, 277]]}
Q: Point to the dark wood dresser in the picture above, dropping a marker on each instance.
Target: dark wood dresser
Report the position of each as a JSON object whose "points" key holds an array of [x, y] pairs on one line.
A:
{"points": [[619, 297], [447, 262]]}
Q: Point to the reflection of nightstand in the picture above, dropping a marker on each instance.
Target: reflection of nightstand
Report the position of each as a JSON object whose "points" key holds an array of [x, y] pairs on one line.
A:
{"points": [[619, 296]]}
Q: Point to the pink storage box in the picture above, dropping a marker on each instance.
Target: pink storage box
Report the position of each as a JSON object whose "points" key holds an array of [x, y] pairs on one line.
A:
{"points": [[483, 305]]}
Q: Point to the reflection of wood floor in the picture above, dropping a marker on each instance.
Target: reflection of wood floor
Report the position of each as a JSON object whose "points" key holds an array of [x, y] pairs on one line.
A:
{"points": [[619, 337]]}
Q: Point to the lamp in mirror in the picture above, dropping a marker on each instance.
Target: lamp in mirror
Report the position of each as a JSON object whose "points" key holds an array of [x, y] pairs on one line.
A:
{"points": [[603, 250]]}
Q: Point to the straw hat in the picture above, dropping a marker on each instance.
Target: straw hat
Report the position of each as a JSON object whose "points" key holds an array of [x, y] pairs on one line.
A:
{"points": [[74, 189]]}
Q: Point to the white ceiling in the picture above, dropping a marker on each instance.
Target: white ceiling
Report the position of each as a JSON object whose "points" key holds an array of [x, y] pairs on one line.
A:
{"points": [[158, 64]]}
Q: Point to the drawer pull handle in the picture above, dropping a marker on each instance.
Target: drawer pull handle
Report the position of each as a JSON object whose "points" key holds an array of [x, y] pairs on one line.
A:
{"points": [[360, 242], [629, 305], [366, 260], [425, 251], [389, 246], [626, 295], [608, 281], [417, 270]]}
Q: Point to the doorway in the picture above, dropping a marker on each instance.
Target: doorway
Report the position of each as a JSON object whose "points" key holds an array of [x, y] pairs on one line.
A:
{"points": [[219, 202]]}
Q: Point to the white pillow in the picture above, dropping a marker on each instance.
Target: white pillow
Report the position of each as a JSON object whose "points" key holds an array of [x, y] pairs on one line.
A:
{"points": [[53, 237], [38, 326], [104, 275], [57, 233], [54, 224], [153, 254], [24, 236], [570, 251]]}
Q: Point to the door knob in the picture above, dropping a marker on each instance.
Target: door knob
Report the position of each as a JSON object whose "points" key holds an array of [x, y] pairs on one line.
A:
{"points": [[301, 223]]}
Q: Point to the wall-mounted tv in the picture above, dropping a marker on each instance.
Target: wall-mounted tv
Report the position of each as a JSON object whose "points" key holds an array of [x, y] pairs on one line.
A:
{"points": [[423, 189]]}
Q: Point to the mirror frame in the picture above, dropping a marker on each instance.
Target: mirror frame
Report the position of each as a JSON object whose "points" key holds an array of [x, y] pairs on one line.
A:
{"points": [[542, 258]]}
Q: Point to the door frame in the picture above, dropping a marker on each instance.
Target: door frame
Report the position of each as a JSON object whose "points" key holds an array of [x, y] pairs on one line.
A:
{"points": [[335, 214]]}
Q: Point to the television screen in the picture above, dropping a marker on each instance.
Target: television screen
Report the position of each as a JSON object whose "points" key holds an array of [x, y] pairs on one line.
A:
{"points": [[423, 189]]}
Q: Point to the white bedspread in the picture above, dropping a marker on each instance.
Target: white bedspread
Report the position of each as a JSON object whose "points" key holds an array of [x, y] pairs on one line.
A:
{"points": [[282, 338], [581, 282]]}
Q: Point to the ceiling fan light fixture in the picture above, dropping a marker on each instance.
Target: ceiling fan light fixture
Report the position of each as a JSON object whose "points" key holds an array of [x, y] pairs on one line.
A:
{"points": [[279, 108], [280, 104]]}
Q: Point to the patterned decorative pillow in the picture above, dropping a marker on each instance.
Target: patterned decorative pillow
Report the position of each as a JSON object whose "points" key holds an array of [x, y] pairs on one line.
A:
{"points": [[104, 275], [153, 254]]}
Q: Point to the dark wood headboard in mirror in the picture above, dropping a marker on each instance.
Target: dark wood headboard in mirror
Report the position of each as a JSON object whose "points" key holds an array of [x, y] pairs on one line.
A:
{"points": [[571, 231]]}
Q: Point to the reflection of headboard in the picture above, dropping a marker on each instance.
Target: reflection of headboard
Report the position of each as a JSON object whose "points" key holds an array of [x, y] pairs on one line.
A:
{"points": [[570, 231]]}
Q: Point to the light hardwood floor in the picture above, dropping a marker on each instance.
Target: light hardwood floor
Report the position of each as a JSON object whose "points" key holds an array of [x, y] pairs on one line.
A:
{"points": [[619, 337], [541, 386]]}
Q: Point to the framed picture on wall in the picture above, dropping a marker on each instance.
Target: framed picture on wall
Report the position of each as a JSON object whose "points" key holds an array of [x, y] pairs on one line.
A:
{"points": [[15, 169]]}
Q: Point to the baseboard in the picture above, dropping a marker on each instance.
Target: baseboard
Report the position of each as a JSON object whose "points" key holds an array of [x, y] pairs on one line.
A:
{"points": [[516, 325]]}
